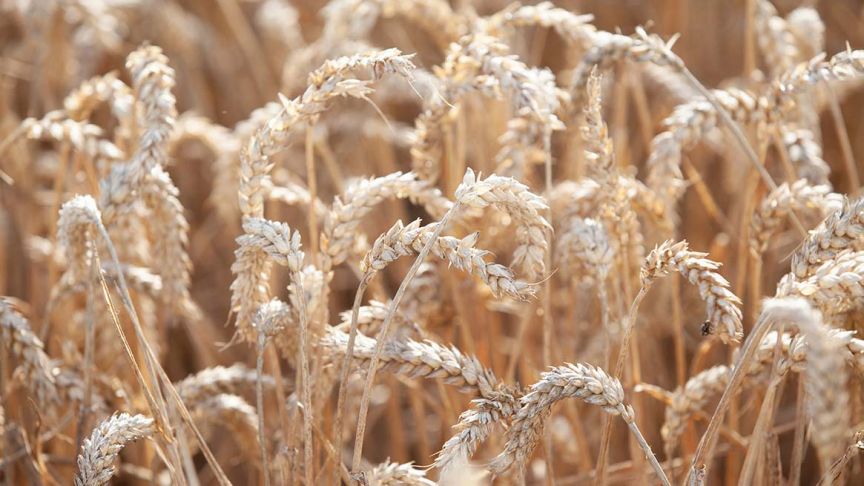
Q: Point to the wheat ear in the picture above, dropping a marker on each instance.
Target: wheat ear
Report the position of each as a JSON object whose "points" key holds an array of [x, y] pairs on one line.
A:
{"points": [[98, 452], [722, 306], [30, 351], [581, 381], [392, 473]]}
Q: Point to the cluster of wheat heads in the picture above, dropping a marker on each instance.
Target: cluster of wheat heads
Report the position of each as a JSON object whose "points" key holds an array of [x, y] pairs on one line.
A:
{"points": [[428, 242]]}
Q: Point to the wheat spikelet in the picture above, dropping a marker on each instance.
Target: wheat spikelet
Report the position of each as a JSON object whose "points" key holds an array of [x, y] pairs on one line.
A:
{"points": [[435, 16], [583, 248], [75, 233], [615, 210], [392, 473], [689, 123], [144, 177], [279, 24], [842, 231], [98, 452], [722, 306], [608, 48], [153, 80], [806, 155], [38, 370], [826, 385], [415, 360], [598, 145], [572, 27], [170, 235], [340, 226], [809, 30], [263, 242], [798, 198], [84, 99], [84, 137], [775, 38], [217, 139], [332, 80], [218, 380], [231, 412], [668, 83], [826, 377], [692, 397], [570, 199], [701, 387], [844, 66], [402, 240], [835, 286], [481, 62], [474, 426], [369, 318], [522, 147], [581, 381], [522, 205]]}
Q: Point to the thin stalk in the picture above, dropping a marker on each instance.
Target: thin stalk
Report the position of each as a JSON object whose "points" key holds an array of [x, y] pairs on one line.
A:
{"points": [[154, 367], [382, 335], [312, 185], [845, 144], [306, 390], [522, 327], [259, 403], [698, 466], [279, 386], [547, 303], [619, 368], [646, 449], [800, 438], [678, 326], [603, 299], [346, 361], [89, 338], [763, 422], [159, 413]]}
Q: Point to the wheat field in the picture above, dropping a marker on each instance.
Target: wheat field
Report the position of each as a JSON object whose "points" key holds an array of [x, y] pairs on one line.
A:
{"points": [[380, 242]]}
